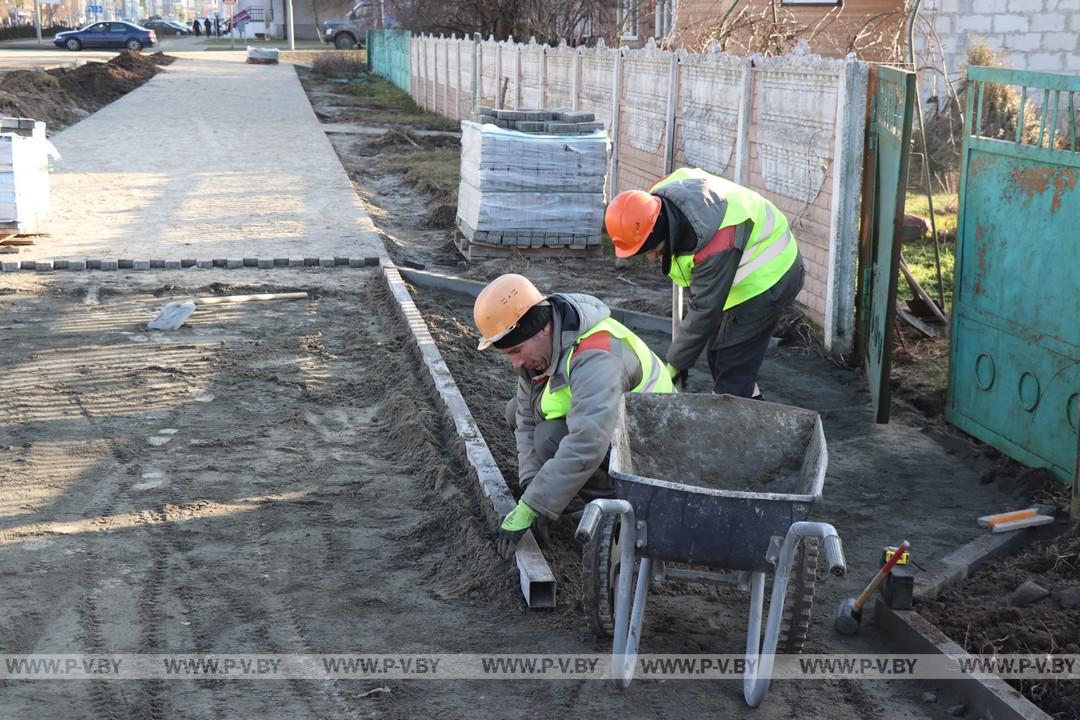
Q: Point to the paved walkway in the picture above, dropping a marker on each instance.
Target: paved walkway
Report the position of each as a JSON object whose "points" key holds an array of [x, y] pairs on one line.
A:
{"points": [[213, 158]]}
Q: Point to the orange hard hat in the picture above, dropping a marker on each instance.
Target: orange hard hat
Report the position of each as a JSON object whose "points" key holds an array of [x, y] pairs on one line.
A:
{"points": [[630, 218], [500, 306]]}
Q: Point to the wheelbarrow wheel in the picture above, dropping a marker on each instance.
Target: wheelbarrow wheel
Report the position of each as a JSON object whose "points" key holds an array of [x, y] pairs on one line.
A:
{"points": [[600, 572], [800, 597]]}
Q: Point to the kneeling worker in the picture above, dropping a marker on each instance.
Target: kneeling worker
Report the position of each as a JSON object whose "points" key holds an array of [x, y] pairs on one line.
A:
{"points": [[574, 363], [734, 253]]}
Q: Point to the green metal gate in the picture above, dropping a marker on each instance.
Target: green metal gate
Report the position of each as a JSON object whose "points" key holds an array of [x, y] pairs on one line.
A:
{"points": [[1014, 371], [888, 138], [388, 55]]}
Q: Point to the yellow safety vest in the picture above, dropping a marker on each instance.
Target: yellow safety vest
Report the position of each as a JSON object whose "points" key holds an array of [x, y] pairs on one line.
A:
{"points": [[654, 377], [769, 253]]}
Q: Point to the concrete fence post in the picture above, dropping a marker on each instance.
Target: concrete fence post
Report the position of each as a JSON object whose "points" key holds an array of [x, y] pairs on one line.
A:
{"points": [[575, 81], [498, 75], [477, 68], [616, 106], [844, 212], [446, 76], [543, 76], [742, 131], [517, 75], [669, 119]]}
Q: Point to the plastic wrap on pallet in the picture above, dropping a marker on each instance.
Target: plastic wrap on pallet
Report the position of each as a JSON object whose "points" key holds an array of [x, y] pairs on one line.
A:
{"points": [[533, 186], [537, 212], [25, 154], [496, 159]]}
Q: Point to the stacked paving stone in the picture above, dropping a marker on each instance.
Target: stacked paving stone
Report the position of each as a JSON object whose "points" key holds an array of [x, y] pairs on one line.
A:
{"points": [[24, 175], [532, 178]]}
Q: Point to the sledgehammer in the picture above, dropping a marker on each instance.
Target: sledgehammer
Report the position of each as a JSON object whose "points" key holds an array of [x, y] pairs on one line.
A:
{"points": [[849, 614]]}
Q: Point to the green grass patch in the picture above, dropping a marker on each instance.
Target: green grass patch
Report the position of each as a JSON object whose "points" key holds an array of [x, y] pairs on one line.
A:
{"points": [[920, 260], [392, 106], [946, 207], [437, 171]]}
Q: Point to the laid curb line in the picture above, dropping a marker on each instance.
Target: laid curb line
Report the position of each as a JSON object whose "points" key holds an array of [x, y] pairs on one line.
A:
{"points": [[110, 264], [537, 580], [913, 634], [631, 318]]}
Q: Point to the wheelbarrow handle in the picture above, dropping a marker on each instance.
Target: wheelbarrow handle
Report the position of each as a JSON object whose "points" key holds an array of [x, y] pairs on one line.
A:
{"points": [[834, 555], [590, 521]]}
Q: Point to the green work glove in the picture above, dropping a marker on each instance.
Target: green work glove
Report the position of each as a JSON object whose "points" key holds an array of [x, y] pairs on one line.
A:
{"points": [[678, 377], [514, 525]]}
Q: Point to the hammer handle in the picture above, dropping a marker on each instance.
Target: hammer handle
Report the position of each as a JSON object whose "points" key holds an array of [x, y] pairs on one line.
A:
{"points": [[880, 577]]}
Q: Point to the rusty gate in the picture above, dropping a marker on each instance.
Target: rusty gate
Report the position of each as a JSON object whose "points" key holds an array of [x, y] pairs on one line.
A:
{"points": [[1014, 370]]}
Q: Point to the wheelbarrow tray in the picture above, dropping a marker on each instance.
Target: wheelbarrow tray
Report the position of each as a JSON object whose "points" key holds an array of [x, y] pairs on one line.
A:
{"points": [[713, 478]]}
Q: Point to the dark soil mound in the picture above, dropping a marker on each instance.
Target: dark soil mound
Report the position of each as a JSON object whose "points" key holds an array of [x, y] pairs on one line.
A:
{"points": [[62, 97], [980, 616]]}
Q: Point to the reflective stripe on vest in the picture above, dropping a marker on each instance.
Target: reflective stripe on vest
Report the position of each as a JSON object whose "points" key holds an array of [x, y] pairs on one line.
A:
{"points": [[769, 253], [654, 378]]}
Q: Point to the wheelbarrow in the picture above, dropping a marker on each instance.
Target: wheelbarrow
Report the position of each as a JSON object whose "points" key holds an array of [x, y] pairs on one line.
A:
{"points": [[721, 487]]}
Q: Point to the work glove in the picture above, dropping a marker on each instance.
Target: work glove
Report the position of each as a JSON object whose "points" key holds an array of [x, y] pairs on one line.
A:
{"points": [[513, 527], [678, 377]]}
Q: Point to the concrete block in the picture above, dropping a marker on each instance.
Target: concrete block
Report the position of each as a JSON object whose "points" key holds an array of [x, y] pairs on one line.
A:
{"points": [[589, 127], [356, 262], [561, 128], [108, 265], [157, 264], [1023, 42], [341, 261], [311, 262], [76, 265], [1049, 21], [371, 261], [1074, 22], [943, 24], [296, 262], [187, 262], [172, 264], [281, 262], [234, 263], [28, 265], [124, 264], [326, 262], [142, 265], [60, 264], [948, 6], [266, 263], [973, 24], [10, 266], [1059, 41], [44, 266], [204, 264], [993, 6], [219, 262], [93, 264], [1046, 62], [530, 126], [1026, 6], [251, 262], [1010, 23]]}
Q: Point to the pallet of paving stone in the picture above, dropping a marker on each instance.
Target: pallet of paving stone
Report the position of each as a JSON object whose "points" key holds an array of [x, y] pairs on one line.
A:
{"points": [[473, 250]]}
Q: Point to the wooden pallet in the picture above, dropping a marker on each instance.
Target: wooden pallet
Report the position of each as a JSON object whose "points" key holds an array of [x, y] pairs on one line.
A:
{"points": [[473, 250]]}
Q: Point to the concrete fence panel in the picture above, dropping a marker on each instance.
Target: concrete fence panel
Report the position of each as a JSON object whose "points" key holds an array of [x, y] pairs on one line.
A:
{"points": [[596, 91], [532, 75], [489, 73], [643, 122], [712, 93], [562, 76]]}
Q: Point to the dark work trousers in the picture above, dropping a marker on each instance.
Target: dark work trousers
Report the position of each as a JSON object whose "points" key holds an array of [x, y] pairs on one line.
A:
{"points": [[737, 350], [547, 434]]}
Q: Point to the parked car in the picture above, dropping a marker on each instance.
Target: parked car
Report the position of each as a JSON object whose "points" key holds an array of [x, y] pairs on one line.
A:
{"points": [[351, 30], [113, 34], [166, 27]]}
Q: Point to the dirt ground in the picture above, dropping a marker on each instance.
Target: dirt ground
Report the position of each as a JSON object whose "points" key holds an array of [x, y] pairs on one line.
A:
{"points": [[981, 616], [277, 479], [61, 97]]}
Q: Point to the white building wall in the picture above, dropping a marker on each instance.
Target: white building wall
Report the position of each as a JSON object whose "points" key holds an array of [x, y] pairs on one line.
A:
{"points": [[1040, 35]]}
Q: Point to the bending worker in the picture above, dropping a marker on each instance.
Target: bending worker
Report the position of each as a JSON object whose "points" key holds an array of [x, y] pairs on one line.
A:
{"points": [[574, 363], [733, 252]]}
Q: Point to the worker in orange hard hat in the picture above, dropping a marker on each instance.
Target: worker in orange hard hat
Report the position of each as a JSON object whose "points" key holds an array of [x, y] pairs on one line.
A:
{"points": [[573, 362], [734, 253]]}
